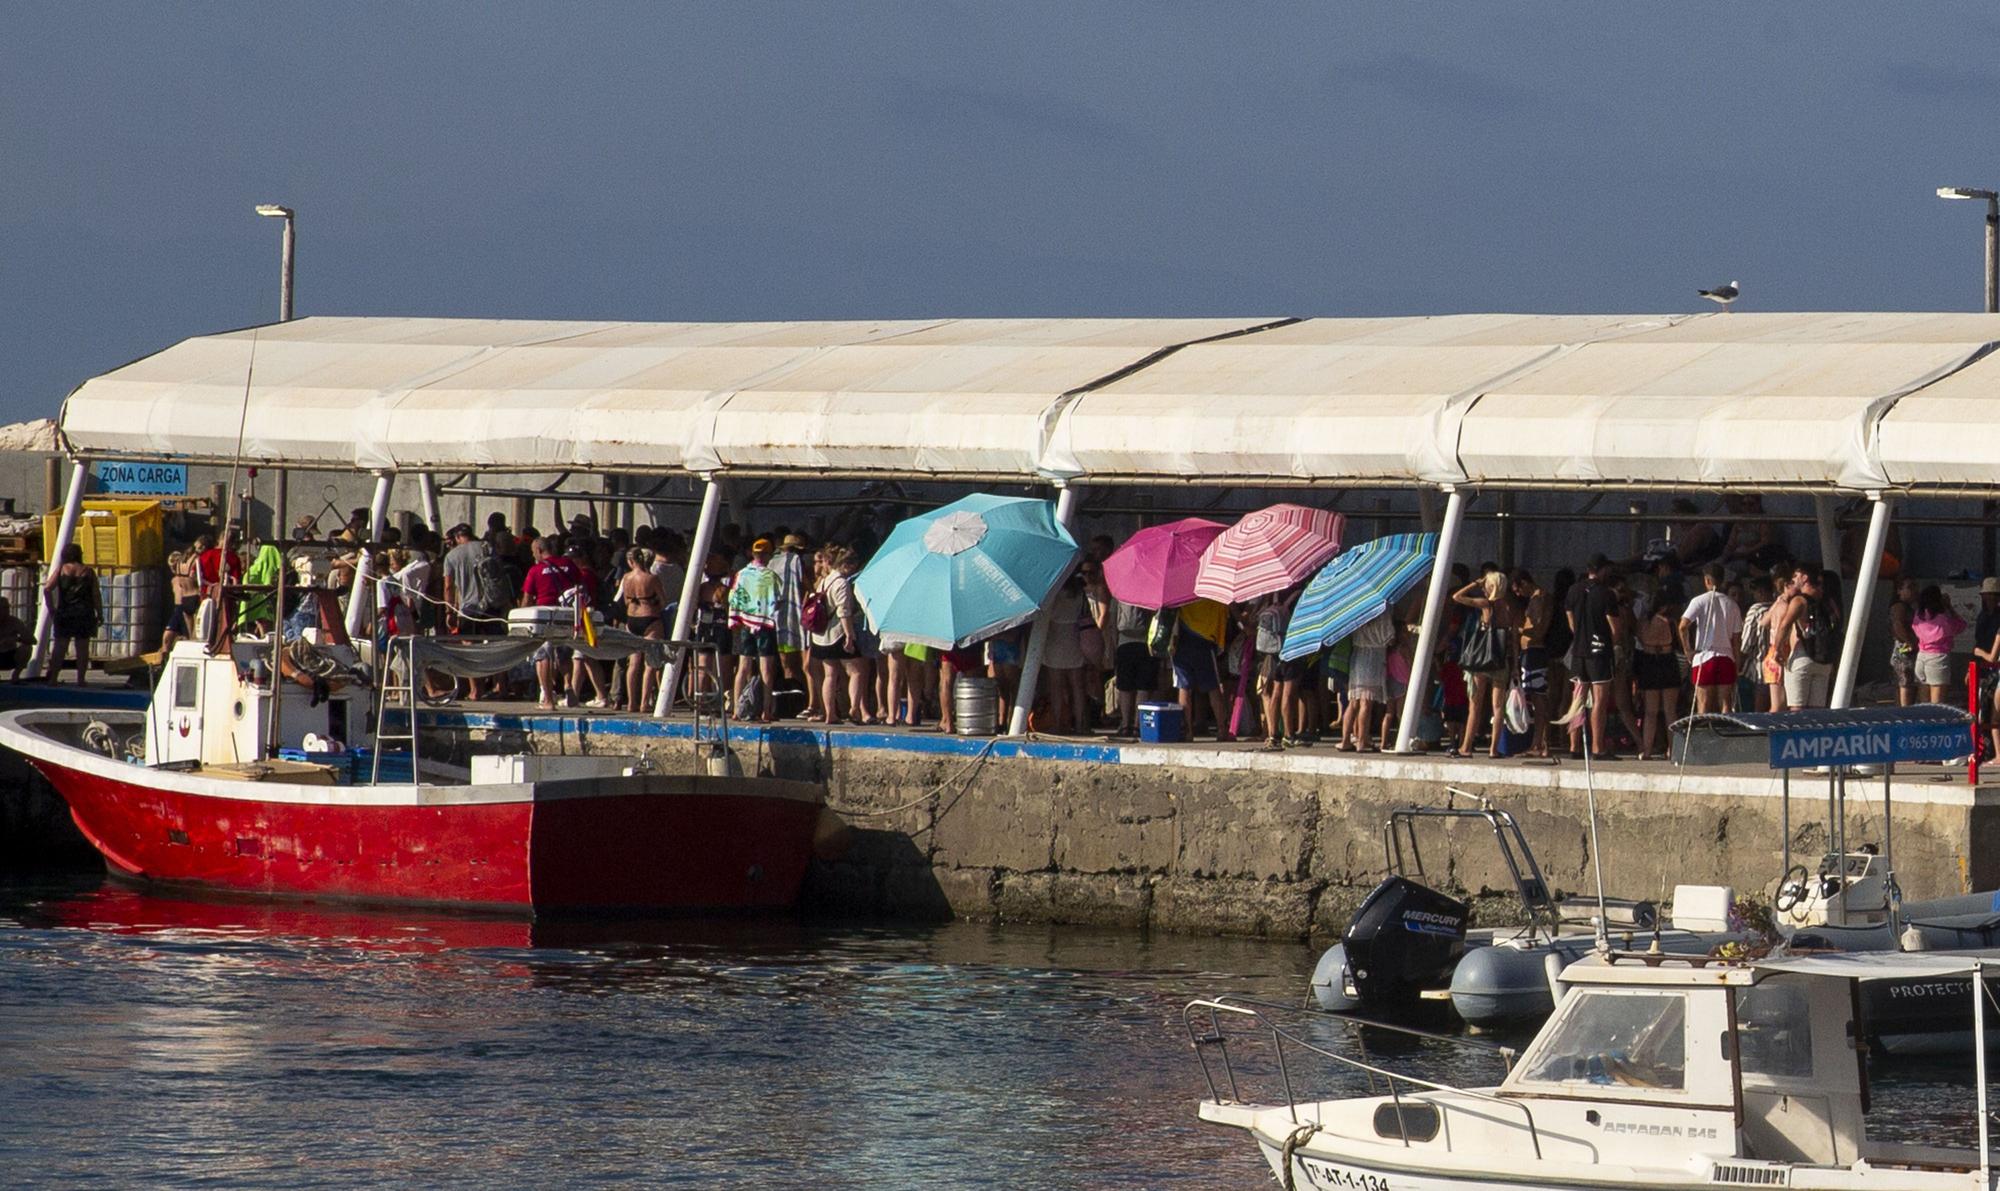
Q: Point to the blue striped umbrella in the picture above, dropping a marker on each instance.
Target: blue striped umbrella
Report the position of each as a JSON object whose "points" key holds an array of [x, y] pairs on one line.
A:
{"points": [[1355, 588]]}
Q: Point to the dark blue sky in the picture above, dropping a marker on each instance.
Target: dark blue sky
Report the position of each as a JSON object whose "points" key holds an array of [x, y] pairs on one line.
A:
{"points": [[727, 161]]}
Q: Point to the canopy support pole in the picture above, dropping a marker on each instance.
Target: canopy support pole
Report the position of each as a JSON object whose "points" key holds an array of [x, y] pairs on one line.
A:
{"points": [[1038, 636], [1824, 515], [427, 489], [45, 617], [1427, 637], [704, 533], [360, 596], [1860, 602], [1979, 1068]]}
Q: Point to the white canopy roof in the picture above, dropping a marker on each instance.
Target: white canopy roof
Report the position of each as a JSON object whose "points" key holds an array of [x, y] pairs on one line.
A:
{"points": [[1849, 401]]}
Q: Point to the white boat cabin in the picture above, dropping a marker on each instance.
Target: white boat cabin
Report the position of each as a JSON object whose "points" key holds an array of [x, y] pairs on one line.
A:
{"points": [[217, 709], [1653, 1071]]}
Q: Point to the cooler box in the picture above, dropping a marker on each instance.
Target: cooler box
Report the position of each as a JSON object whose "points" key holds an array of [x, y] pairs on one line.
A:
{"points": [[1162, 723], [553, 621]]}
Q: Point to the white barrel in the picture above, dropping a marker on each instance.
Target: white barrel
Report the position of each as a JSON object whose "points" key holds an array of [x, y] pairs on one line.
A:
{"points": [[134, 612], [975, 705], [20, 585]]}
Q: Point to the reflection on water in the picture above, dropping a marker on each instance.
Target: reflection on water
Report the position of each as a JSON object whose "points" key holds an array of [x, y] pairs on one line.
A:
{"points": [[153, 1040]]}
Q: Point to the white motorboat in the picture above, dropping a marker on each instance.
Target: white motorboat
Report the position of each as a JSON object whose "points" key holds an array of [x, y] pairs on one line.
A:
{"points": [[1655, 1071]]}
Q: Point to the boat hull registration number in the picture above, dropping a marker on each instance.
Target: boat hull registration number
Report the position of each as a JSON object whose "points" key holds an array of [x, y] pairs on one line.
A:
{"points": [[1325, 1174]]}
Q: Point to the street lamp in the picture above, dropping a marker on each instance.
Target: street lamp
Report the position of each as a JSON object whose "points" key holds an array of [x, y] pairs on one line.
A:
{"points": [[1992, 237], [285, 284]]}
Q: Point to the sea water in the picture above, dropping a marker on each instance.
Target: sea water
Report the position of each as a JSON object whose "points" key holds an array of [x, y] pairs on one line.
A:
{"points": [[171, 1041]]}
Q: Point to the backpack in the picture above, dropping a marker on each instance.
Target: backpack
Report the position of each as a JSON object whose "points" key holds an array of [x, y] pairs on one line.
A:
{"points": [[1753, 640], [1816, 634], [813, 614], [1161, 633], [494, 579]]}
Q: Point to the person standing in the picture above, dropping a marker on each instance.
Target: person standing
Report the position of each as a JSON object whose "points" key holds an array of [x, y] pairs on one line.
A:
{"points": [[1593, 623], [789, 565], [1936, 624], [1484, 655], [1537, 615], [549, 579], [753, 624], [836, 646], [1804, 637], [78, 611], [475, 603], [1709, 629], [1903, 640]]}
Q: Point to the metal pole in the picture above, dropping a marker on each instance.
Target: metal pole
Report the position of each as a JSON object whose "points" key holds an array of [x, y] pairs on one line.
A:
{"points": [[45, 617], [285, 283], [1420, 664], [704, 533], [1038, 636], [427, 490], [281, 499], [1861, 603], [359, 595], [1993, 256], [1785, 815], [1979, 1067], [1829, 533]]}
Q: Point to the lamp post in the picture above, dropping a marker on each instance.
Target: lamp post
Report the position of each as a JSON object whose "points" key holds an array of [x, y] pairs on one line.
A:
{"points": [[275, 211], [1992, 237]]}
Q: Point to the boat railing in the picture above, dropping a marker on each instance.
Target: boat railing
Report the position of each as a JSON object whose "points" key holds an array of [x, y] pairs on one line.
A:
{"points": [[1203, 1021]]}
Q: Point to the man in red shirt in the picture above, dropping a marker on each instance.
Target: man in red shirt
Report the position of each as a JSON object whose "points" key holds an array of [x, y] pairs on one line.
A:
{"points": [[547, 580], [210, 563]]}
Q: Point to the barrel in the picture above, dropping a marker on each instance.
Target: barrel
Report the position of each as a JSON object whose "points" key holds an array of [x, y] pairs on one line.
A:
{"points": [[134, 603], [975, 705]]}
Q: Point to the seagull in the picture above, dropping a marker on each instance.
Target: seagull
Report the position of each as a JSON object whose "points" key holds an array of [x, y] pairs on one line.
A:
{"points": [[1721, 295]]}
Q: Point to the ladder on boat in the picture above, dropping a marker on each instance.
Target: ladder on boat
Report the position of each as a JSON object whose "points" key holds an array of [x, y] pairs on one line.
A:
{"points": [[386, 686]]}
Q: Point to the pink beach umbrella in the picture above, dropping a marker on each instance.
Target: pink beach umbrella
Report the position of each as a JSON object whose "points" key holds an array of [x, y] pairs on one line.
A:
{"points": [[1155, 567], [1267, 551]]}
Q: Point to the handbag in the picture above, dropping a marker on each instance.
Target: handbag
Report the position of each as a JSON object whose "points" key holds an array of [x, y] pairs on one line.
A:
{"points": [[1484, 649], [813, 613]]}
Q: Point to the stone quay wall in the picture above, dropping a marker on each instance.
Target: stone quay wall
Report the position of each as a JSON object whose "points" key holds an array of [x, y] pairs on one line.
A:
{"points": [[1274, 845]]}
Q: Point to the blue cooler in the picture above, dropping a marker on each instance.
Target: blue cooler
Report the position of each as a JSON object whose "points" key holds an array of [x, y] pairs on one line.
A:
{"points": [[1162, 723]]}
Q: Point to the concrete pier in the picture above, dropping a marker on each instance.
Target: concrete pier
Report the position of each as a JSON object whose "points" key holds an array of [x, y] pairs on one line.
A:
{"points": [[1237, 841]]}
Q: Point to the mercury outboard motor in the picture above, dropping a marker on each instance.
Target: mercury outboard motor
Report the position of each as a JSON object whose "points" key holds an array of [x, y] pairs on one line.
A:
{"points": [[1404, 939]]}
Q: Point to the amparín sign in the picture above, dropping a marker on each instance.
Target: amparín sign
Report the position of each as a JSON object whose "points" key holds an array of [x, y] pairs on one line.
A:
{"points": [[1871, 745], [143, 479]]}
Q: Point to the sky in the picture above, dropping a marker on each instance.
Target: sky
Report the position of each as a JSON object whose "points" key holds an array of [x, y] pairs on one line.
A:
{"points": [[667, 161]]}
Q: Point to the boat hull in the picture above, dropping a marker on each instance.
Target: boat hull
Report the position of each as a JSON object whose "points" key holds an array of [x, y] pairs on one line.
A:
{"points": [[657, 843]]}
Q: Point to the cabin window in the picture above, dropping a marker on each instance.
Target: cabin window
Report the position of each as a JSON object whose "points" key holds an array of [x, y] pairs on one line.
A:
{"points": [[1409, 1121], [187, 684], [1616, 1040], [1774, 1030]]}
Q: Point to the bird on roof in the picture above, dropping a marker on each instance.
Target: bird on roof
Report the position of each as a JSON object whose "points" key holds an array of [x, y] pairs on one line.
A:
{"points": [[1721, 295]]}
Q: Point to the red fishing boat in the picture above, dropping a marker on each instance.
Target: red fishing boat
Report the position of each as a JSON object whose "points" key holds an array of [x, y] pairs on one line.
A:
{"points": [[237, 783]]}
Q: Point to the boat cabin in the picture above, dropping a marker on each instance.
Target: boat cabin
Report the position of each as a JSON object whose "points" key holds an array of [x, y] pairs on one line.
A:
{"points": [[217, 709]]}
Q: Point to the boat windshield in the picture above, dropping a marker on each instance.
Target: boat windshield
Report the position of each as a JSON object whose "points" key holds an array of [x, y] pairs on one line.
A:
{"points": [[1619, 1039]]}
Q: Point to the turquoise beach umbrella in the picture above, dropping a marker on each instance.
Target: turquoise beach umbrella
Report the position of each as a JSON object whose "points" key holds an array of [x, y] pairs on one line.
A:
{"points": [[1355, 588], [961, 573]]}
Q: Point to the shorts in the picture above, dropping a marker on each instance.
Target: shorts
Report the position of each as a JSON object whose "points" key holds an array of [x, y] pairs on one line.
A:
{"points": [[1933, 669], [1534, 675], [1773, 672], [1656, 672], [1716, 672], [1267, 667], [713, 636], [836, 652], [1597, 666], [1194, 665], [481, 624], [1806, 682], [1134, 668], [1902, 664], [970, 660], [548, 651], [755, 643]]}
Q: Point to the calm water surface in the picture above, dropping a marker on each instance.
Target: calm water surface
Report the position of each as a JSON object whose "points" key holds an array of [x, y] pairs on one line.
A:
{"points": [[168, 1042]]}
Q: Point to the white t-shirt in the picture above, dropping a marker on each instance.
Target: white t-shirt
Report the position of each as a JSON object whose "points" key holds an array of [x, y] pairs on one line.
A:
{"points": [[1717, 624]]}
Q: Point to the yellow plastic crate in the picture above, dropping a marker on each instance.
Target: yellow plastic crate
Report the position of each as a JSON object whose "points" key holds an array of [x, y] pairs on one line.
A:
{"points": [[113, 533]]}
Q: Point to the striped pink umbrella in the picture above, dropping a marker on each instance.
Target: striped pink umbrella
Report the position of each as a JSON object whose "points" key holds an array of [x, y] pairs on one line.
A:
{"points": [[1267, 551]]}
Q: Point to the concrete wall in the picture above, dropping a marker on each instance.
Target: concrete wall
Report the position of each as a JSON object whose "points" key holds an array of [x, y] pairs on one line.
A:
{"points": [[1280, 846]]}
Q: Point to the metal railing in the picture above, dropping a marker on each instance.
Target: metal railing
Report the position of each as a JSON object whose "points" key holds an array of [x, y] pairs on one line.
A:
{"points": [[1214, 1038]]}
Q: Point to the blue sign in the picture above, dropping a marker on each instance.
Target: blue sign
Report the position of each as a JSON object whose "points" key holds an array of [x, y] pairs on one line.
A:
{"points": [[1871, 744], [143, 479]]}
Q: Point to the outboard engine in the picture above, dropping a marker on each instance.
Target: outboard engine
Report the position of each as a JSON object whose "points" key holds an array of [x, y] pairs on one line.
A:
{"points": [[1404, 939]]}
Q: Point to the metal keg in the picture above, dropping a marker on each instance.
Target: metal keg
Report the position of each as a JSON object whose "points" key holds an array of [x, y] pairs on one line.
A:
{"points": [[975, 706]]}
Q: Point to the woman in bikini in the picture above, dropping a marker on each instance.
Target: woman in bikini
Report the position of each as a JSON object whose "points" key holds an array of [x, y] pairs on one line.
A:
{"points": [[645, 603]]}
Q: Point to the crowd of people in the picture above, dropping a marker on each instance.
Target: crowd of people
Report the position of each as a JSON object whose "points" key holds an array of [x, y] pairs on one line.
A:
{"points": [[1601, 658]]}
